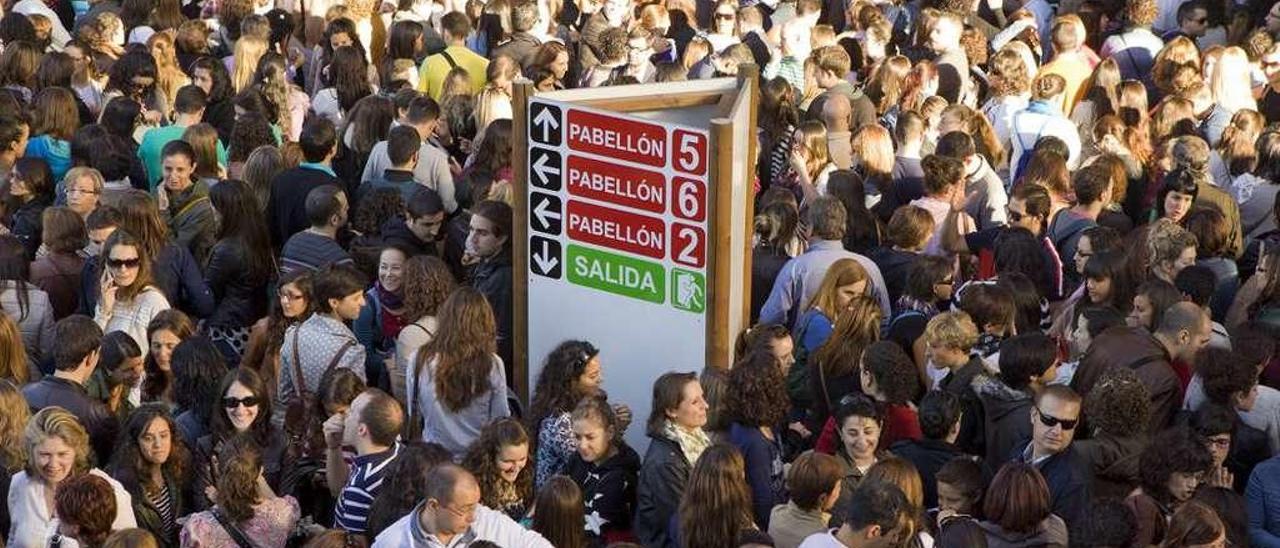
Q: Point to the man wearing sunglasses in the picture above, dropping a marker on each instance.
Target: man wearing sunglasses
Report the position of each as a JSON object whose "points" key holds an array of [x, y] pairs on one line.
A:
{"points": [[1054, 418]]}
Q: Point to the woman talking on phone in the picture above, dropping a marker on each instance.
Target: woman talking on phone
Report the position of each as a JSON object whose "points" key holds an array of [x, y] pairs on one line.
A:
{"points": [[128, 300]]}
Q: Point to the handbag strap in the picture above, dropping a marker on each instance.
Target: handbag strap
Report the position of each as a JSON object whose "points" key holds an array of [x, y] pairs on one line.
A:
{"points": [[234, 532], [298, 385]]}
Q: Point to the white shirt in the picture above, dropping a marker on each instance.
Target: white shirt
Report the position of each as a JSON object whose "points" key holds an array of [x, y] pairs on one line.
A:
{"points": [[825, 539], [33, 523], [1028, 127]]}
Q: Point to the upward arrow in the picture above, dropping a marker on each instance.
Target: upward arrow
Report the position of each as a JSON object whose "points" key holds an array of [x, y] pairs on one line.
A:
{"points": [[547, 122]]}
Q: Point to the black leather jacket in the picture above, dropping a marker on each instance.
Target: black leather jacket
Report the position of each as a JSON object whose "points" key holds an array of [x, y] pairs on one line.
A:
{"points": [[97, 419]]}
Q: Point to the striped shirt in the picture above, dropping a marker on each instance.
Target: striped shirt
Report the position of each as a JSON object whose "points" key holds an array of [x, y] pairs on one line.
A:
{"points": [[352, 511]]}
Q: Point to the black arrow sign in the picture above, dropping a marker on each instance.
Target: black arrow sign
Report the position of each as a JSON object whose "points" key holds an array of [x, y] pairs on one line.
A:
{"points": [[544, 213], [544, 168], [544, 257]]}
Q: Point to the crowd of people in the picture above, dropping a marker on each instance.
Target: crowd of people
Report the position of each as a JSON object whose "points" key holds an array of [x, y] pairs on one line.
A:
{"points": [[1015, 279]]}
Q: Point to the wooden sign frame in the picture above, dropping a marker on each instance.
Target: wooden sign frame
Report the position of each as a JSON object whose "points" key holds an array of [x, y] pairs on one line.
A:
{"points": [[731, 159]]}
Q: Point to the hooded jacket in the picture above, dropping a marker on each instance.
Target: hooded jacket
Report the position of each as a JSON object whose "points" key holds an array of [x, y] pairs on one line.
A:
{"points": [[1135, 348], [1051, 532], [1007, 416], [608, 490], [1113, 461], [395, 233]]}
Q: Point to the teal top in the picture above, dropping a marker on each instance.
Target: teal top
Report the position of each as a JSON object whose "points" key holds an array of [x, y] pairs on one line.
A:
{"points": [[153, 142], [55, 152], [318, 167]]}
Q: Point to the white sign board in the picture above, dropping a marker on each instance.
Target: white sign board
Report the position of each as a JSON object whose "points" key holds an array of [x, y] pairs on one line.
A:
{"points": [[618, 227]]}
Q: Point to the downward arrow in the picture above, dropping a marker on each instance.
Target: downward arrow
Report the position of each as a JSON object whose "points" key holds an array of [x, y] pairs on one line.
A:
{"points": [[541, 169], [544, 214], [545, 260], [546, 121]]}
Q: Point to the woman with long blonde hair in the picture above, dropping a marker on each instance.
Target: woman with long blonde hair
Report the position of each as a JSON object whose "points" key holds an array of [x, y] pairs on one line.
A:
{"points": [[169, 76], [835, 363], [716, 505], [1100, 99], [13, 353], [458, 384], [886, 85], [873, 159], [1229, 94], [248, 50], [14, 414]]}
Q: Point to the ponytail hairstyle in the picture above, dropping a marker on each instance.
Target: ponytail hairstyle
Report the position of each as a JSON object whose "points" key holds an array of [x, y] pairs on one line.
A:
{"points": [[1238, 144]]}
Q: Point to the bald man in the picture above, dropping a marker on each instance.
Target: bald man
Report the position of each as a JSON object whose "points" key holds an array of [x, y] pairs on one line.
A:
{"points": [[837, 115], [451, 515]]}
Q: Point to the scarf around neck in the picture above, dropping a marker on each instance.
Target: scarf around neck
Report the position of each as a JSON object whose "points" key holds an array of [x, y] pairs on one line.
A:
{"points": [[692, 444]]}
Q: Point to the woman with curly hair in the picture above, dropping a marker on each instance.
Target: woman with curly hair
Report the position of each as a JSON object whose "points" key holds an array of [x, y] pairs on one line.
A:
{"points": [[570, 373], [245, 501], [404, 484], [716, 505], [292, 306], [152, 462], [85, 510], [1177, 53], [427, 283], [252, 131], [889, 376], [499, 460], [54, 431], [14, 413], [1236, 152], [459, 383], [134, 76], [1118, 408], [368, 123], [169, 75], [1171, 467], [756, 404], [289, 103]]}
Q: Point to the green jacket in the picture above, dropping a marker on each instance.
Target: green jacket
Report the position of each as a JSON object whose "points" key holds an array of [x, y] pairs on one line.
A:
{"points": [[191, 220], [149, 517]]}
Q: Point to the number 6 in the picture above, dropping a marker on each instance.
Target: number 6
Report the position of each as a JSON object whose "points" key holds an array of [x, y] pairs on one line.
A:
{"points": [[690, 199]]}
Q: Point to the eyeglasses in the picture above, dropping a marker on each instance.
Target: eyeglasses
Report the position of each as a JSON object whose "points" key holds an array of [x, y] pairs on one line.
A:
{"points": [[725, 16], [232, 403], [1221, 442], [290, 296], [120, 264], [1050, 421], [82, 191]]}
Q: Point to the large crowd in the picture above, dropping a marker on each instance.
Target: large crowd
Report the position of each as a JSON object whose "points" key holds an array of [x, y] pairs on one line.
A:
{"points": [[1015, 279]]}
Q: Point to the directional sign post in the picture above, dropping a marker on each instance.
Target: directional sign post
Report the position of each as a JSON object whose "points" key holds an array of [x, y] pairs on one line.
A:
{"points": [[633, 227]]}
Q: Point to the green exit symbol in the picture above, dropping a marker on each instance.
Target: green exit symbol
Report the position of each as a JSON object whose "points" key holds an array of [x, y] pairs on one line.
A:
{"points": [[688, 290]]}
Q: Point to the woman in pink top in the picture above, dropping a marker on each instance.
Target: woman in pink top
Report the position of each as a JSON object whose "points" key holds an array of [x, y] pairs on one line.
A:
{"points": [[246, 507]]}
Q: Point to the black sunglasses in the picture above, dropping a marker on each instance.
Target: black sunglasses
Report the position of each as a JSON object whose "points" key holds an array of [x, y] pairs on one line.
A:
{"points": [[1050, 421], [232, 403], [124, 263]]}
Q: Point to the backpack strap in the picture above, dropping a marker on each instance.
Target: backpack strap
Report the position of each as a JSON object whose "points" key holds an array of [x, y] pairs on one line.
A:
{"points": [[234, 532], [449, 58]]}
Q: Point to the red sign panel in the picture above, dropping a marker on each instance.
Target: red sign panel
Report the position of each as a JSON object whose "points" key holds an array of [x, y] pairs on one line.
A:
{"points": [[619, 184], [690, 151], [617, 229], [688, 199], [621, 138], [688, 245]]}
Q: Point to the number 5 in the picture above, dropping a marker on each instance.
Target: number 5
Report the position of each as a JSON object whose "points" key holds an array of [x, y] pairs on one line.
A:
{"points": [[691, 154]]}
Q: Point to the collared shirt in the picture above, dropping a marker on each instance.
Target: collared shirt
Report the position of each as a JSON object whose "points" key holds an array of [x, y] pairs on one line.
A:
{"points": [[1028, 456], [318, 167], [352, 510], [801, 277]]}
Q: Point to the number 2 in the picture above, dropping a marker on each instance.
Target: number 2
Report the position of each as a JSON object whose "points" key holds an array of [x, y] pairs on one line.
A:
{"points": [[689, 240]]}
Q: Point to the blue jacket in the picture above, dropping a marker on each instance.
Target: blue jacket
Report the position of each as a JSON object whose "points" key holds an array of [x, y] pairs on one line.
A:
{"points": [[1263, 499], [765, 473], [1069, 480]]}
